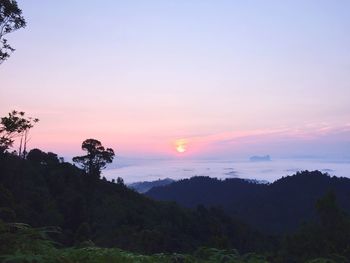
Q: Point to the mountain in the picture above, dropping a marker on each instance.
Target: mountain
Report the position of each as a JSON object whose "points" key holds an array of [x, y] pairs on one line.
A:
{"points": [[88, 217], [143, 187], [279, 207], [43, 190]]}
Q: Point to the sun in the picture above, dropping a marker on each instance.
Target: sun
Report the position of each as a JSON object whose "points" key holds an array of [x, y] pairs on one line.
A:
{"points": [[181, 145], [180, 148]]}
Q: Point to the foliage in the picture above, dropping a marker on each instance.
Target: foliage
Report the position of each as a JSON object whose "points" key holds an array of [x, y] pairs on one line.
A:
{"points": [[43, 190], [15, 125], [11, 19], [17, 238], [276, 208], [27, 244], [327, 238], [32, 247], [96, 159], [48, 191]]}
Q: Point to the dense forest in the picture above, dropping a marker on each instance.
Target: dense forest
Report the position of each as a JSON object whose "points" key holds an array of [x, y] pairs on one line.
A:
{"points": [[279, 207], [42, 193], [41, 190]]}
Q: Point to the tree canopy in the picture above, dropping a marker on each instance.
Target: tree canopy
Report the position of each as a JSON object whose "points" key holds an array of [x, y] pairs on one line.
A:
{"points": [[15, 125], [11, 19], [96, 159]]}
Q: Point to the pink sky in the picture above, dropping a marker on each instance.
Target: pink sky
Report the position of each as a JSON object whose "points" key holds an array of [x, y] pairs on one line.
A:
{"points": [[230, 79]]}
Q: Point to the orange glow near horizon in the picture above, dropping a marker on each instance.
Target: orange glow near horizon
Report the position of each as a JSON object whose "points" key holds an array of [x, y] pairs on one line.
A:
{"points": [[181, 145]]}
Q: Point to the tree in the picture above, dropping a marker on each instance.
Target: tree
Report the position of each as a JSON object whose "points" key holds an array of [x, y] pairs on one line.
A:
{"points": [[96, 159], [16, 125], [37, 156], [11, 19]]}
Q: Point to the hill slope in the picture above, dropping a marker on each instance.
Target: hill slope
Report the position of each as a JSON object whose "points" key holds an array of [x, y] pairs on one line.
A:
{"points": [[143, 187], [275, 208], [45, 191]]}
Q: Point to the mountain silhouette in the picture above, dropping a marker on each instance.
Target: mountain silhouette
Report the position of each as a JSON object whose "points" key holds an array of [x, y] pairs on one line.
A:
{"points": [[279, 207]]}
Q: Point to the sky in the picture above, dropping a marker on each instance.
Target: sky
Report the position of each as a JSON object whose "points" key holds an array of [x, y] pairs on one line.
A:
{"points": [[184, 78]]}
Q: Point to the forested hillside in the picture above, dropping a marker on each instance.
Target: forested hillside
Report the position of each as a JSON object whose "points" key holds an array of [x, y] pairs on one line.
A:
{"points": [[43, 190], [47, 204], [277, 208]]}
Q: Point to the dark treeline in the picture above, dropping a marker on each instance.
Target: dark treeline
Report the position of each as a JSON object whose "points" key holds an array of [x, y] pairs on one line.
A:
{"points": [[307, 211], [43, 190], [277, 208]]}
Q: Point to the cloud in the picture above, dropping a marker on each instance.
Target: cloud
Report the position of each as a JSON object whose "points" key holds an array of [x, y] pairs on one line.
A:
{"points": [[311, 139]]}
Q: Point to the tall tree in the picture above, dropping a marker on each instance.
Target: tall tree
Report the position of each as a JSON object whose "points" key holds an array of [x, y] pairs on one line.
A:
{"points": [[96, 159], [16, 125], [11, 19]]}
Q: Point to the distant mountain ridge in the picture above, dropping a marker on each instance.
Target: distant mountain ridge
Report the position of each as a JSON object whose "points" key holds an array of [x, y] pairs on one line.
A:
{"points": [[278, 207], [143, 187]]}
